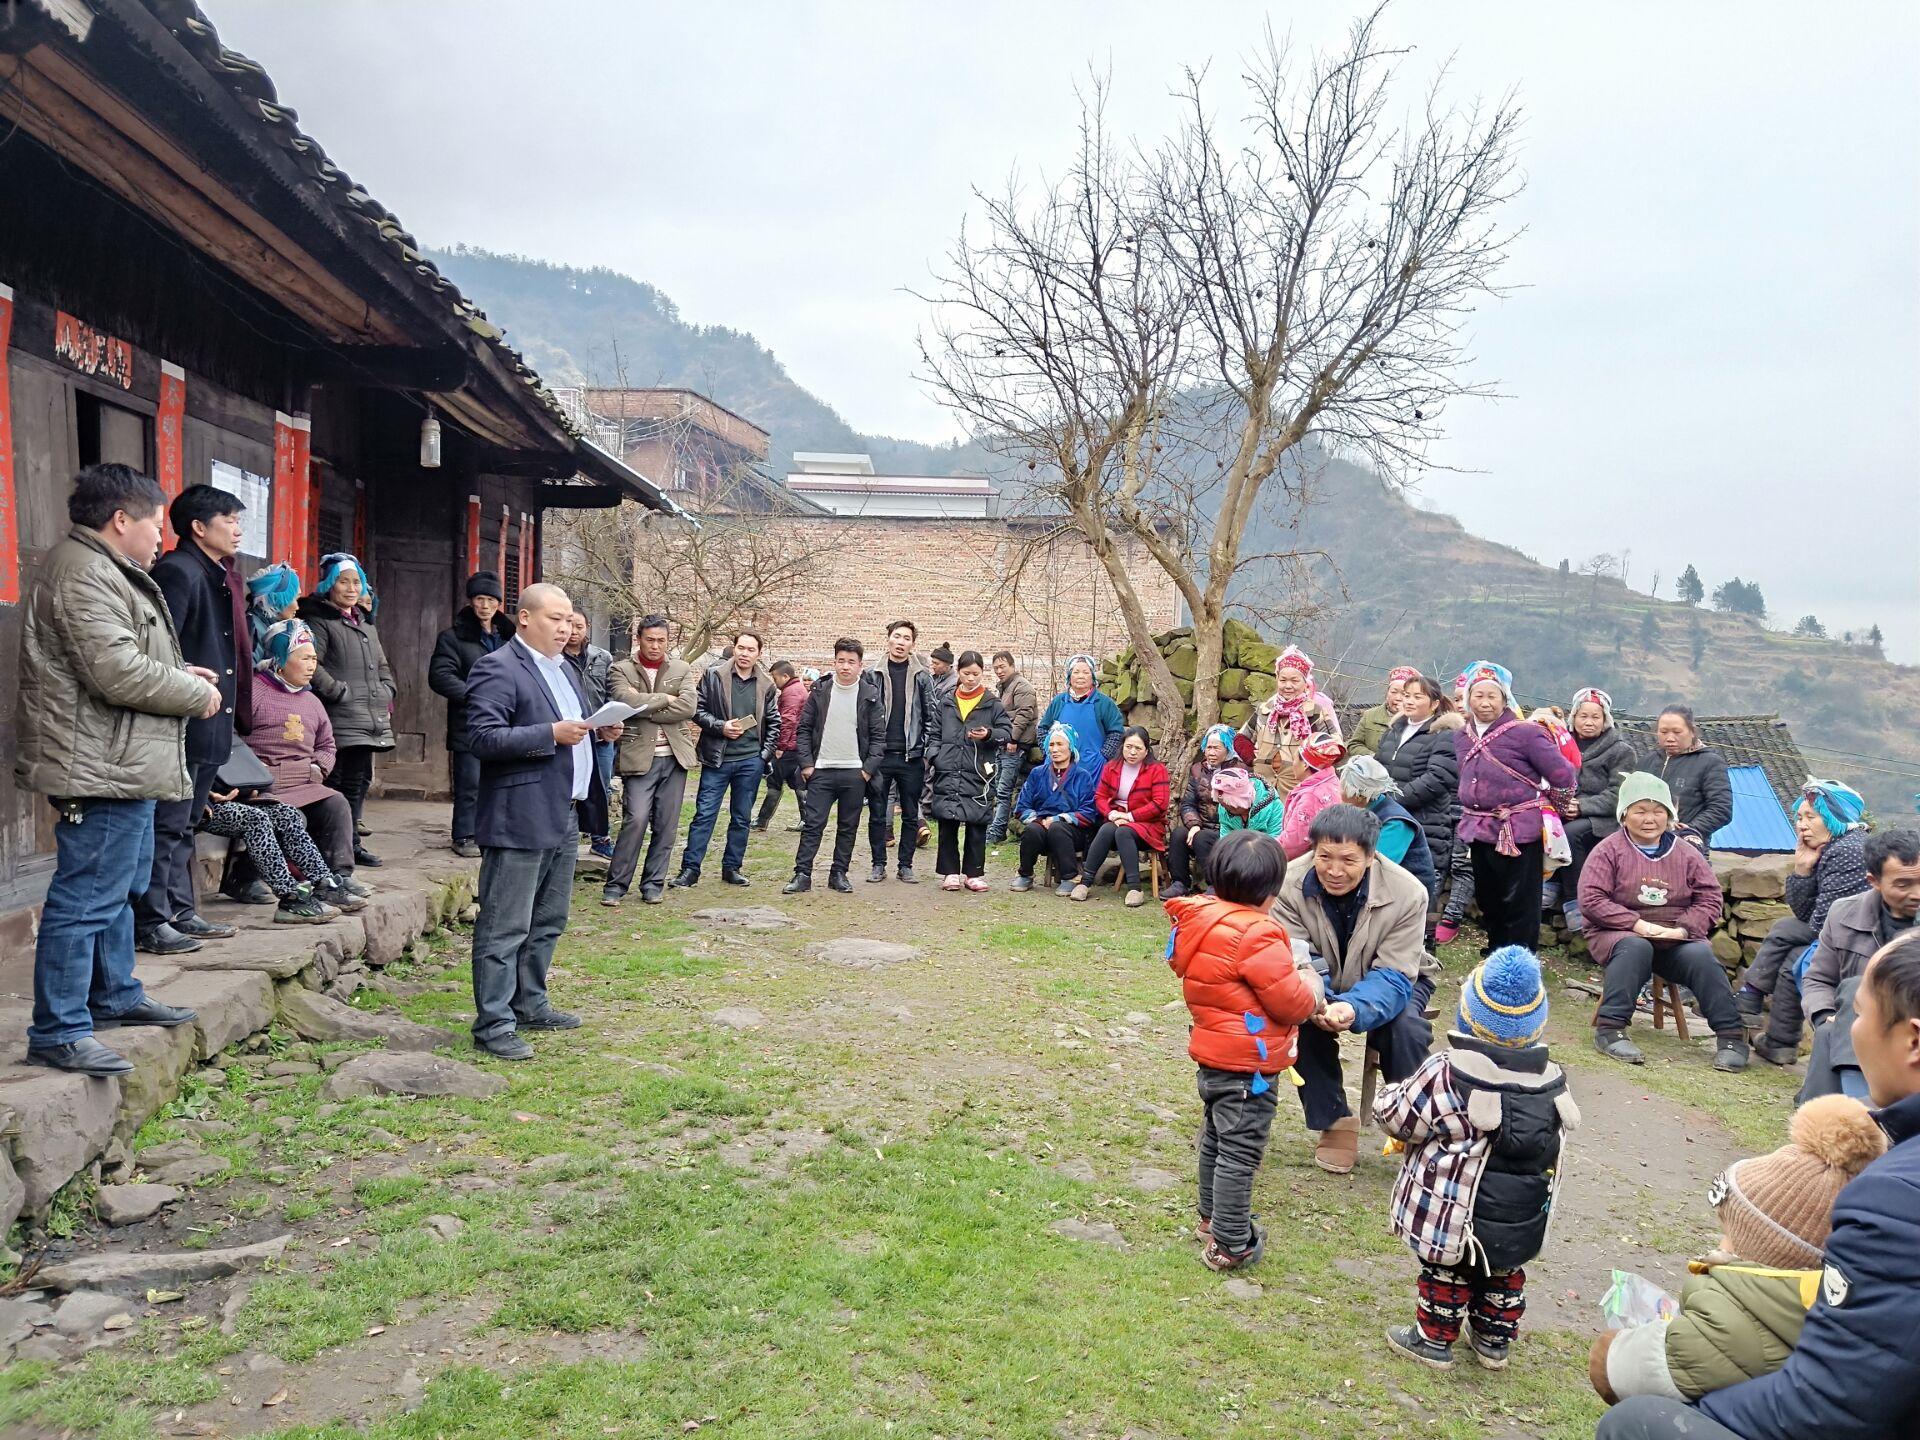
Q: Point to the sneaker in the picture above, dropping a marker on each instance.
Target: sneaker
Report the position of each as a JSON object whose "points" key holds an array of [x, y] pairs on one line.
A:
{"points": [[303, 910], [1570, 912], [549, 1019], [256, 893], [1775, 1054], [1021, 884], [1064, 889], [353, 886], [1216, 1257], [1079, 892], [339, 897], [1135, 899], [360, 827], [1491, 1354], [798, 885], [603, 847], [953, 882], [466, 849], [507, 1047], [976, 883], [1445, 932], [1408, 1341], [906, 876], [1615, 1046], [1172, 891], [612, 898], [200, 929], [1203, 1229], [1730, 1055]]}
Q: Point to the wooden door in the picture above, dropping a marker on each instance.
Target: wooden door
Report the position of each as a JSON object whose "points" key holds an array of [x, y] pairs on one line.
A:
{"points": [[413, 612]]}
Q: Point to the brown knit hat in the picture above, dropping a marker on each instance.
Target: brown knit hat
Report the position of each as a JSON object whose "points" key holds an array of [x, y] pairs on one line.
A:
{"points": [[1777, 1209]]}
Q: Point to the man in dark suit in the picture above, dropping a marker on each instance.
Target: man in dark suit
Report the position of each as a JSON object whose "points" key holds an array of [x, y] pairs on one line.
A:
{"points": [[526, 721], [208, 604]]}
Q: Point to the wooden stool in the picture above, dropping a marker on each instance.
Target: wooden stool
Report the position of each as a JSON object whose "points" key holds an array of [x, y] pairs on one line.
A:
{"points": [[1666, 996], [1153, 873]]}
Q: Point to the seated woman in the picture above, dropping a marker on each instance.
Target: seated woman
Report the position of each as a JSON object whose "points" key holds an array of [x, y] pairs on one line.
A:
{"points": [[1132, 798], [1191, 838], [1318, 789], [1282, 727], [274, 834], [294, 739], [1649, 901], [1365, 783], [1742, 1307], [1055, 806], [1243, 802], [1829, 864]]}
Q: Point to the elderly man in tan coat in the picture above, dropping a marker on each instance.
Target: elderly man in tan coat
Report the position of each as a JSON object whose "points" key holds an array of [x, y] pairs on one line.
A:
{"points": [[104, 701], [1362, 919], [655, 753]]}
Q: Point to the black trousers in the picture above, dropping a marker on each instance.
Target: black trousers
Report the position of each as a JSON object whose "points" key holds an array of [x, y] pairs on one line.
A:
{"points": [[963, 846], [905, 779], [1402, 1043], [169, 895], [1187, 864], [1691, 963], [845, 788], [1107, 839], [464, 770], [1233, 1141], [1580, 840], [353, 776], [784, 775], [1508, 889], [330, 823], [1772, 973], [1062, 839], [1458, 883]]}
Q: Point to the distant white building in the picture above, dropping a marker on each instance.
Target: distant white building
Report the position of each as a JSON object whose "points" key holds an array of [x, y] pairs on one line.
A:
{"points": [[846, 485]]}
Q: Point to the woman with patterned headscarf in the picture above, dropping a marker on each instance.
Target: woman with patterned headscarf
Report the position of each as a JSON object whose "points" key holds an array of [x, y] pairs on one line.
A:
{"points": [[353, 680], [1055, 807], [1194, 829], [1605, 757], [1370, 727], [1281, 728], [1086, 710], [1321, 756], [1829, 864], [272, 595]]}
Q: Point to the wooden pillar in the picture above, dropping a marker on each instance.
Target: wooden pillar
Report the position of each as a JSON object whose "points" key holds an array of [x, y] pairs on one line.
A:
{"points": [[359, 518], [506, 524], [9, 515], [473, 535]]}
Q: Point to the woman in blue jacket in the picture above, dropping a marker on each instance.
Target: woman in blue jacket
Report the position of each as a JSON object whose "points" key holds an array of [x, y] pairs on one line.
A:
{"points": [[1091, 715], [1056, 807]]}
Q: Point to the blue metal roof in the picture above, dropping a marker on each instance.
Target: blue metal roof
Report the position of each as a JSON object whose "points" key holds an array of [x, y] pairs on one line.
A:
{"points": [[1759, 822]]}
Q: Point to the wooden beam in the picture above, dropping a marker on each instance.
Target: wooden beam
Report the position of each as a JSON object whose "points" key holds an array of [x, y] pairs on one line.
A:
{"points": [[77, 118], [578, 497], [433, 370]]}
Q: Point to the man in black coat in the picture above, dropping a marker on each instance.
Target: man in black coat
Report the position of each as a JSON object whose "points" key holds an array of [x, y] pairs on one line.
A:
{"points": [[208, 603], [841, 740], [480, 629]]}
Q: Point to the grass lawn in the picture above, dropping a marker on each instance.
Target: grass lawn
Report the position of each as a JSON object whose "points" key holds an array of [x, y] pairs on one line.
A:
{"points": [[836, 1223]]}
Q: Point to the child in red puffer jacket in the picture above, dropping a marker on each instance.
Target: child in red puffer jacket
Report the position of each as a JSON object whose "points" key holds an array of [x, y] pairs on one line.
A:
{"points": [[1248, 996]]}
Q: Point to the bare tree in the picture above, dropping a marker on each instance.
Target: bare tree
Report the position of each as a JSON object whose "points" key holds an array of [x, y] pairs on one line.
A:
{"points": [[1158, 334], [1598, 567]]}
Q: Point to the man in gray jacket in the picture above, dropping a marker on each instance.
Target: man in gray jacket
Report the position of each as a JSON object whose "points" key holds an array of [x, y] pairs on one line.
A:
{"points": [[104, 701], [1855, 929], [1022, 704]]}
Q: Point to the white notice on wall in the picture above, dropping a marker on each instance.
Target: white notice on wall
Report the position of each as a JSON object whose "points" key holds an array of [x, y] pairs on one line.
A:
{"points": [[256, 493]]}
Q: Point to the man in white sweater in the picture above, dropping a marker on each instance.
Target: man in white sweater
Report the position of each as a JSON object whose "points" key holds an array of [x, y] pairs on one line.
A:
{"points": [[841, 742]]}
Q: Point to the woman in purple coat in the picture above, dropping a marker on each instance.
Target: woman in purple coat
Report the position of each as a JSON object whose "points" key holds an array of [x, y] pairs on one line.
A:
{"points": [[1508, 772], [293, 737]]}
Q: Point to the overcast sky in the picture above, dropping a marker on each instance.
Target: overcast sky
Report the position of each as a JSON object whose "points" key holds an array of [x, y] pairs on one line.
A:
{"points": [[1714, 356]]}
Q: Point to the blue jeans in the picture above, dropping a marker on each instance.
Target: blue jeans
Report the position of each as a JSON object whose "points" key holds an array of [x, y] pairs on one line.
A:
{"points": [[83, 960], [740, 780], [523, 913], [1006, 785], [464, 766]]}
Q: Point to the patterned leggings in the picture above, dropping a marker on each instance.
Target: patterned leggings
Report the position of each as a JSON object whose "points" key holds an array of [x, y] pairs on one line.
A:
{"points": [[274, 834], [1450, 1295]]}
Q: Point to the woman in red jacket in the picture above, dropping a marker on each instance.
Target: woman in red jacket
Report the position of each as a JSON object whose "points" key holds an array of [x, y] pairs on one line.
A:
{"points": [[1132, 803]]}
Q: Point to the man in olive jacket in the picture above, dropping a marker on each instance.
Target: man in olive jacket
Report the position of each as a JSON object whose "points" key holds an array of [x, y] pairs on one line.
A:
{"points": [[655, 754], [101, 723]]}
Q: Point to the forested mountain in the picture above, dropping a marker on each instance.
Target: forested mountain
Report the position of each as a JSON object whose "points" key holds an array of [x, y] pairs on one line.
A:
{"points": [[1399, 584]]}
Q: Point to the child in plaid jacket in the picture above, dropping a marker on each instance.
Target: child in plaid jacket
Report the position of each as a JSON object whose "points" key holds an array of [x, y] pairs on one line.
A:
{"points": [[1482, 1122]]}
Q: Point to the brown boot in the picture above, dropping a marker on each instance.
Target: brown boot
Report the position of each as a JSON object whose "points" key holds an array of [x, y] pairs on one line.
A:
{"points": [[1339, 1148], [1597, 1368]]}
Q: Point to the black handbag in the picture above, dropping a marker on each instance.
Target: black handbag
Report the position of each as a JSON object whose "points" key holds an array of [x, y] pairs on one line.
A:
{"points": [[243, 773]]}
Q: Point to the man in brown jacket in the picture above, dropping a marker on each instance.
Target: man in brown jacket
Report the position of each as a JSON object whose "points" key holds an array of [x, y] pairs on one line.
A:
{"points": [[1022, 704], [104, 701], [1362, 920], [655, 754]]}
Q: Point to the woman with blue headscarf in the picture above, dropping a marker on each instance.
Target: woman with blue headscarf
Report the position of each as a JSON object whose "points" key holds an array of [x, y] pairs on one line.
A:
{"points": [[1055, 806], [272, 596], [1084, 709], [1829, 864], [1194, 830], [353, 680]]}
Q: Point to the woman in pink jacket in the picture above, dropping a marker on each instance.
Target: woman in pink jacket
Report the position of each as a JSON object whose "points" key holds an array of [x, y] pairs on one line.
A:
{"points": [[1321, 756]]}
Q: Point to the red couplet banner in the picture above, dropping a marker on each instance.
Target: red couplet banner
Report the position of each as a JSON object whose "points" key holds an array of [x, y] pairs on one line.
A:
{"points": [[170, 434]]}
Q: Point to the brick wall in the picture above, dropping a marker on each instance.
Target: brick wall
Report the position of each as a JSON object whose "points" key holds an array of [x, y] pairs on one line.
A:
{"points": [[960, 581]]}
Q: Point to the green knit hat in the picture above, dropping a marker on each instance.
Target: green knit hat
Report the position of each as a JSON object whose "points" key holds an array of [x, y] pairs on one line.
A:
{"points": [[1638, 785]]}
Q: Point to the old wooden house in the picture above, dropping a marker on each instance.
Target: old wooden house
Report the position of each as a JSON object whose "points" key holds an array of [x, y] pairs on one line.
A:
{"points": [[189, 285]]}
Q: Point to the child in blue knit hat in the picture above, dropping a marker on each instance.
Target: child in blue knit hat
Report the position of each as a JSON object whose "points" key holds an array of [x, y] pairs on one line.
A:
{"points": [[1482, 1122]]}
